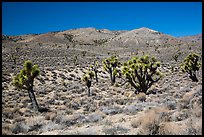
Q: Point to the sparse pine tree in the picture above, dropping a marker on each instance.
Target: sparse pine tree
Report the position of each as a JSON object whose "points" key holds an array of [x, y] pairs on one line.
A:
{"points": [[110, 65], [25, 79], [88, 79], [191, 65], [141, 72]]}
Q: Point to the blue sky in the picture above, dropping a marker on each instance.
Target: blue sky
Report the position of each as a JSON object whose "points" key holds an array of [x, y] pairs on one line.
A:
{"points": [[173, 18]]}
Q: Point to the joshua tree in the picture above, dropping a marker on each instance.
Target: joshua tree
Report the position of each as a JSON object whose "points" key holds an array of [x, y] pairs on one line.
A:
{"points": [[191, 65], [94, 68], [175, 57], [110, 65], [25, 79], [75, 59], [83, 53], [14, 59], [88, 79], [141, 72]]}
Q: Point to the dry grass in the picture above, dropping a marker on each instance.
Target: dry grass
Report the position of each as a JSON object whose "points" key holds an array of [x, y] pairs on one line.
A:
{"points": [[141, 96], [148, 121], [6, 130], [190, 126], [51, 116], [172, 128]]}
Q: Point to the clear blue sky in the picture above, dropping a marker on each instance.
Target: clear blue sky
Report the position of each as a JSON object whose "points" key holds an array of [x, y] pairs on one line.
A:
{"points": [[173, 18]]}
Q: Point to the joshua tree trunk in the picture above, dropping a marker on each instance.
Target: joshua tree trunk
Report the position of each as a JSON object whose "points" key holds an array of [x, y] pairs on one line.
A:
{"points": [[96, 76], [89, 85], [113, 79], [33, 99], [193, 77], [111, 75], [89, 91]]}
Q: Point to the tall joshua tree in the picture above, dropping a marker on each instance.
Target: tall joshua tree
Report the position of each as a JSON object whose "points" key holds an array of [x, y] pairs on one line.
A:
{"points": [[191, 65], [142, 72], [25, 79], [110, 65]]}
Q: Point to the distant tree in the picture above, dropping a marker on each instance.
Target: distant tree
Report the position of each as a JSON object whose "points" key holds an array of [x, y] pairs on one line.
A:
{"points": [[94, 68], [88, 79], [111, 66], [175, 57], [191, 65], [75, 59], [83, 53]]}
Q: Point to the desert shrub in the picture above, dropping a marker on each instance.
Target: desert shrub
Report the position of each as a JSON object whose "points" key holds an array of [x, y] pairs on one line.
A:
{"points": [[88, 80], [94, 117], [190, 65], [111, 66], [171, 105], [149, 120], [51, 126], [69, 37], [25, 80], [141, 97], [114, 130], [19, 128], [133, 109], [141, 72]]}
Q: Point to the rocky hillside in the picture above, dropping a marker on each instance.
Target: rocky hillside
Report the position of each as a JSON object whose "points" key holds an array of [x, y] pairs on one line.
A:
{"points": [[194, 39], [173, 105]]}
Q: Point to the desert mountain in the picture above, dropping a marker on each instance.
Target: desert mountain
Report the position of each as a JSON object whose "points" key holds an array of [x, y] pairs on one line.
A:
{"points": [[91, 36], [142, 36], [194, 38], [173, 105]]}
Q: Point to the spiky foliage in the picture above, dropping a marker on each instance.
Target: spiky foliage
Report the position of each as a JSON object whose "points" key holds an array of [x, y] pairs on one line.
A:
{"points": [[25, 79], [87, 78], [190, 65], [94, 68], [111, 66], [141, 72]]}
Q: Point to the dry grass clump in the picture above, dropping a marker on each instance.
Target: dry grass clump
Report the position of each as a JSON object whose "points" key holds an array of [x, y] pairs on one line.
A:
{"points": [[6, 130], [190, 126], [149, 120], [51, 116], [156, 122], [195, 126], [141, 96], [196, 110], [188, 99], [173, 128], [95, 117], [19, 128], [115, 130]]}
